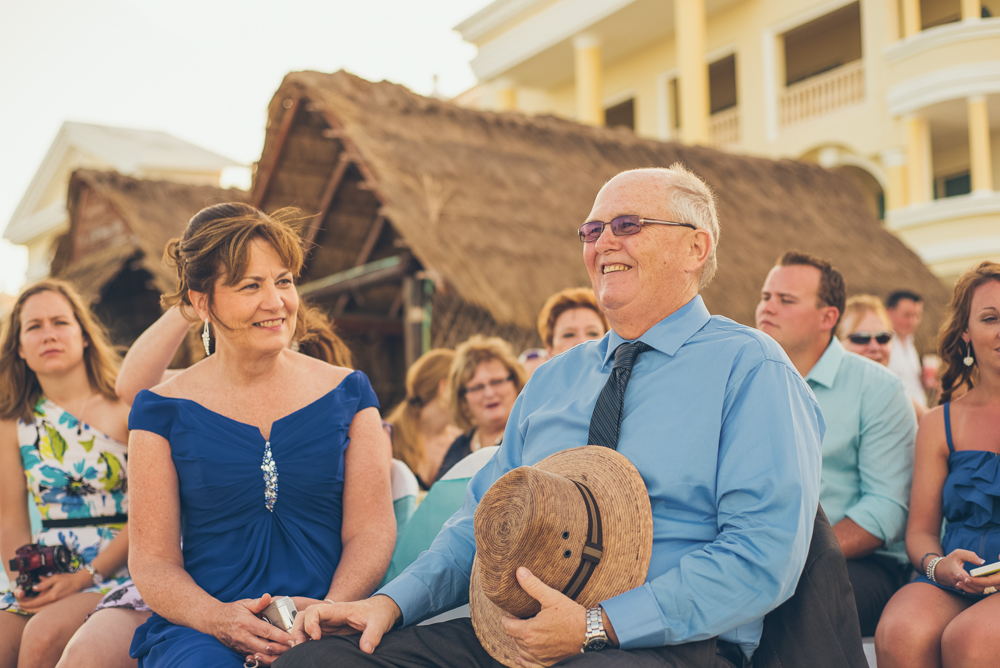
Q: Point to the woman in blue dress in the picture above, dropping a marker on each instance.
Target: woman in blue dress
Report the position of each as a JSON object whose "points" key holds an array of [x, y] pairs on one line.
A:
{"points": [[947, 616], [270, 466], [62, 438]]}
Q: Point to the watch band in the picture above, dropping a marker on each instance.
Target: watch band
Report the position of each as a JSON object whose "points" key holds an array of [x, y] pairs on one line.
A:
{"points": [[596, 638]]}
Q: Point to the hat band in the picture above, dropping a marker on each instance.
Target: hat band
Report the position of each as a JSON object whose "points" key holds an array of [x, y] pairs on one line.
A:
{"points": [[593, 547]]}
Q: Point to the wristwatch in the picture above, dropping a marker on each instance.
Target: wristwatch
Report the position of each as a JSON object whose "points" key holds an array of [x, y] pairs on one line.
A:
{"points": [[596, 638]]}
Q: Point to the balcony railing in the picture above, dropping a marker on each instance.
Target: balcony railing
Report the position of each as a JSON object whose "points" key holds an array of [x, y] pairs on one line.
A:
{"points": [[823, 93], [724, 128]]}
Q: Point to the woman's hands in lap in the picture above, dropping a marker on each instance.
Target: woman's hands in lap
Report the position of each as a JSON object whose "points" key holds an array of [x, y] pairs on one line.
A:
{"points": [[52, 588], [238, 627], [951, 571]]}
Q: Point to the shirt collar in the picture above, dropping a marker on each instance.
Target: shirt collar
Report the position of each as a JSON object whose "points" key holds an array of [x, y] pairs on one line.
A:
{"points": [[668, 335], [825, 370]]}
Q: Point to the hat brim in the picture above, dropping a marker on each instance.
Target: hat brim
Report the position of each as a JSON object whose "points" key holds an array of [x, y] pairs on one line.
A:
{"points": [[627, 522]]}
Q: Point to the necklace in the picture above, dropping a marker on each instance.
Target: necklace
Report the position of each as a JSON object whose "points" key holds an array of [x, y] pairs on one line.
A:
{"points": [[79, 418]]}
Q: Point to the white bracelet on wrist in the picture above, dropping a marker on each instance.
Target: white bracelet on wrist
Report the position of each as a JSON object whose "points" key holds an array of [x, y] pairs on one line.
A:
{"points": [[931, 565], [95, 575]]}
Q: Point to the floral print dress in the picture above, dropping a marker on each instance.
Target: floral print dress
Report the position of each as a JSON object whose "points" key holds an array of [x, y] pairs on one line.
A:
{"points": [[77, 478]]}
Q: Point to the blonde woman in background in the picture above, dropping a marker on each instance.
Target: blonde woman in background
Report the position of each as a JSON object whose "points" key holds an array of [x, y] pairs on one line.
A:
{"points": [[422, 429], [483, 383], [865, 329]]}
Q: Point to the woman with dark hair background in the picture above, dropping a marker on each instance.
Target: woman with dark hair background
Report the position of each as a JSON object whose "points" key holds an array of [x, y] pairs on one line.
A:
{"points": [[947, 616]]}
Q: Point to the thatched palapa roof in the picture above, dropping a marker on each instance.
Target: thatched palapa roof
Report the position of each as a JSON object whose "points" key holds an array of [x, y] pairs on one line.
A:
{"points": [[118, 221], [489, 203]]}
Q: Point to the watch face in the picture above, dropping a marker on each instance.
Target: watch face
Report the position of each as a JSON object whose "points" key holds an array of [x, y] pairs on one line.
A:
{"points": [[596, 645]]}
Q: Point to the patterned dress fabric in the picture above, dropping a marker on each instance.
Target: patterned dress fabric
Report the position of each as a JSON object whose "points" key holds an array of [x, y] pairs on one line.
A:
{"points": [[971, 504], [257, 515], [125, 596], [73, 472]]}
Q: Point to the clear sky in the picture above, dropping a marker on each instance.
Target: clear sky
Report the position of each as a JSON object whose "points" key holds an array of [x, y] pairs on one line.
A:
{"points": [[203, 70]]}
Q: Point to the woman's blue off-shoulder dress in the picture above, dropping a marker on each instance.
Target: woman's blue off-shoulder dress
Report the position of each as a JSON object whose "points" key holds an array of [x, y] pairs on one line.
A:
{"points": [[257, 516], [971, 504]]}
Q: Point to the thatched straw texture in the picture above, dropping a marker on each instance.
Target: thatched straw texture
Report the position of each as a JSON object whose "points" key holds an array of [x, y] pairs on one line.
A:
{"points": [[489, 203], [133, 219]]}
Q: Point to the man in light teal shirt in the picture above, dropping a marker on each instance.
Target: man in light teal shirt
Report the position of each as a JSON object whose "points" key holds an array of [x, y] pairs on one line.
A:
{"points": [[871, 428]]}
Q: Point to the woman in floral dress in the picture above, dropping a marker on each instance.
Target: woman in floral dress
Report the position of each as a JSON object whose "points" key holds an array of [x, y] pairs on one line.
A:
{"points": [[62, 438]]}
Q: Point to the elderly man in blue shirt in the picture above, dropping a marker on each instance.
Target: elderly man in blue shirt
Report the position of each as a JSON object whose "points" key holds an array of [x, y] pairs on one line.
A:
{"points": [[871, 428], [723, 430]]}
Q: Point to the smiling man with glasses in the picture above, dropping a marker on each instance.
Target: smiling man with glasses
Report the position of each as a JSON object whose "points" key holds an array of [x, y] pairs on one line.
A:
{"points": [[870, 426], [723, 430]]}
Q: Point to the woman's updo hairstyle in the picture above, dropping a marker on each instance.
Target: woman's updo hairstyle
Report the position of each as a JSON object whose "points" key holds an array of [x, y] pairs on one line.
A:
{"points": [[216, 243]]}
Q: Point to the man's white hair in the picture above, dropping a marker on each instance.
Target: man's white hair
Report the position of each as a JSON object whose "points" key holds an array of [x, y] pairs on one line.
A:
{"points": [[692, 201]]}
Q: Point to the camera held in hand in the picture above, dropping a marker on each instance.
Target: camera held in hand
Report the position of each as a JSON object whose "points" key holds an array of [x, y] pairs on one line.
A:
{"points": [[33, 561], [281, 613]]}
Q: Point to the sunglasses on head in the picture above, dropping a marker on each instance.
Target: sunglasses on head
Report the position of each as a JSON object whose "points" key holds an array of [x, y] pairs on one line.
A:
{"points": [[863, 338], [622, 226]]}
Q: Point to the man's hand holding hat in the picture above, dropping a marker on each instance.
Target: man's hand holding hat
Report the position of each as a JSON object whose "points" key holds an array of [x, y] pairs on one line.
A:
{"points": [[555, 633], [374, 617]]}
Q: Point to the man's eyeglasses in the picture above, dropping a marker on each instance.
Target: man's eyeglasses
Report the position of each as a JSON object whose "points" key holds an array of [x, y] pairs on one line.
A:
{"points": [[495, 383], [863, 338], [622, 226]]}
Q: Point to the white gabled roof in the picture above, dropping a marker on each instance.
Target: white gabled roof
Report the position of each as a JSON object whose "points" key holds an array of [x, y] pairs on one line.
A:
{"points": [[126, 150]]}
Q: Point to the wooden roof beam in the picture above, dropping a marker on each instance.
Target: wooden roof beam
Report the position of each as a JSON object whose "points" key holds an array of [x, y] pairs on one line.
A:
{"points": [[336, 178], [381, 271], [374, 232], [266, 171]]}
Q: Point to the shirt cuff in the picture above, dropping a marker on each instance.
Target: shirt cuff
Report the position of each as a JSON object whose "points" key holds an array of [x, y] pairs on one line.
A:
{"points": [[886, 521], [636, 618], [410, 594]]}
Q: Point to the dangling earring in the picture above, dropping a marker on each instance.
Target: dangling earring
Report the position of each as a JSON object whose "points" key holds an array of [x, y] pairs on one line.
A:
{"points": [[206, 339], [969, 360]]}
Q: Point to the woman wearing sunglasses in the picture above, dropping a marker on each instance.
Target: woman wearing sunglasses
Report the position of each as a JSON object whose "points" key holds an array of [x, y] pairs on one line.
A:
{"points": [[865, 329]]}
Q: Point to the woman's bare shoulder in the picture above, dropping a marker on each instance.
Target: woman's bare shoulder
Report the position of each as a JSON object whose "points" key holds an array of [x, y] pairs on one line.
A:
{"points": [[326, 375], [179, 384]]}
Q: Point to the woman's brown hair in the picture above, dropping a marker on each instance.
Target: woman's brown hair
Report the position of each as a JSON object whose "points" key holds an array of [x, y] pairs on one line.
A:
{"points": [[559, 303], [320, 340], [216, 243], [19, 386], [951, 347], [422, 382], [468, 356]]}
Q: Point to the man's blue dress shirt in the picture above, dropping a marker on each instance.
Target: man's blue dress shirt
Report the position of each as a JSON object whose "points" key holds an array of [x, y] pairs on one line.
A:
{"points": [[726, 436]]}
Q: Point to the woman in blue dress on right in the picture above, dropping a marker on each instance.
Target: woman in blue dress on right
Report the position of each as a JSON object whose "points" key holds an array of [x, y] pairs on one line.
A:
{"points": [[946, 617], [271, 466]]}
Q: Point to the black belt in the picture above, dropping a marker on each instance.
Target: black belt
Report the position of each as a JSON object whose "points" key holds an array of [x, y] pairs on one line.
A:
{"points": [[120, 518], [729, 651]]}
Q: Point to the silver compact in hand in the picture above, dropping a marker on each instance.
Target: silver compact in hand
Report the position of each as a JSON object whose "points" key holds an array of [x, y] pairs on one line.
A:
{"points": [[281, 613]]}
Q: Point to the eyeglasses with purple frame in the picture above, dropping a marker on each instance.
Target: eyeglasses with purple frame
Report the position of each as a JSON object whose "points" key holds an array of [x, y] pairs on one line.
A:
{"points": [[622, 226]]}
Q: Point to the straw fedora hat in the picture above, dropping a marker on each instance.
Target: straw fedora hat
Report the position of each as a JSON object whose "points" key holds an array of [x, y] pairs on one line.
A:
{"points": [[579, 520]]}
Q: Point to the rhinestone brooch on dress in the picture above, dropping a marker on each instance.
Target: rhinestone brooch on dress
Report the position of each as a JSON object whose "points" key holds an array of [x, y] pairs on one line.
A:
{"points": [[270, 478]]}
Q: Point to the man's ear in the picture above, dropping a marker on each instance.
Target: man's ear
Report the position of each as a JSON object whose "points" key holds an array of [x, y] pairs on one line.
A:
{"points": [[701, 246], [831, 314]]}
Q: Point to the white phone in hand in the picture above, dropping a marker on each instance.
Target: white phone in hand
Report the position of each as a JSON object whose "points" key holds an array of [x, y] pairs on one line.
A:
{"points": [[985, 570]]}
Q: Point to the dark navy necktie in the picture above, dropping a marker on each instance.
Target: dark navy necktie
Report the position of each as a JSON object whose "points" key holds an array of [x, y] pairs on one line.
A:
{"points": [[606, 421]]}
